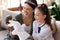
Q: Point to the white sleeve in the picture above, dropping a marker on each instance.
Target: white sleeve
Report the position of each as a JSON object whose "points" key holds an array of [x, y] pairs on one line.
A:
{"points": [[34, 31], [44, 33]]}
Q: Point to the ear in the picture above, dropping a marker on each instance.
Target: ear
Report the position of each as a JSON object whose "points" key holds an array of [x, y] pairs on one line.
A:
{"points": [[44, 16]]}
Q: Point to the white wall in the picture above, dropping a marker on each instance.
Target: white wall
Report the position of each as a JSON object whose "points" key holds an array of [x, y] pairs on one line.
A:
{"points": [[48, 2], [0, 8], [58, 2], [13, 3], [3, 5]]}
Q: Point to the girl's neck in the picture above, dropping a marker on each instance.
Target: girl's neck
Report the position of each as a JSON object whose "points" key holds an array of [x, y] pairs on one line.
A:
{"points": [[41, 22]]}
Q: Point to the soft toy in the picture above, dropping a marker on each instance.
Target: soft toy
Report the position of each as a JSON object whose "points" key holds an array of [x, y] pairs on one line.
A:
{"points": [[18, 30]]}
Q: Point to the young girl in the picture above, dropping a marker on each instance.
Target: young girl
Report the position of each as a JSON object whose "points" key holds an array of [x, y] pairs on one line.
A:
{"points": [[42, 25]]}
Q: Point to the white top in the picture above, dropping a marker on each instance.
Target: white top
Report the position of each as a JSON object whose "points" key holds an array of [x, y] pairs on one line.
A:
{"points": [[45, 32], [27, 29]]}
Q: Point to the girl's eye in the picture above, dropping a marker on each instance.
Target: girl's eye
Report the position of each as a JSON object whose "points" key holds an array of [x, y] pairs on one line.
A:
{"points": [[36, 15]]}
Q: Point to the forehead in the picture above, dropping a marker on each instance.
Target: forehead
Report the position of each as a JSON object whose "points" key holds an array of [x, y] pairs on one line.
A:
{"points": [[27, 6], [37, 10]]}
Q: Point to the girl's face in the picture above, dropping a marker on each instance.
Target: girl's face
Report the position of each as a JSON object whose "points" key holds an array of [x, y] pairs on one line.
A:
{"points": [[39, 16]]}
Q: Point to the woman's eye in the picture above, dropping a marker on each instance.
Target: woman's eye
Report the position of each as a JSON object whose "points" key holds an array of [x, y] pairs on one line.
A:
{"points": [[23, 7]]}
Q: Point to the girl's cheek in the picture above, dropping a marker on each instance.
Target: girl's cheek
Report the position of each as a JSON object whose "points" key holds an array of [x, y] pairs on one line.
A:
{"points": [[36, 17]]}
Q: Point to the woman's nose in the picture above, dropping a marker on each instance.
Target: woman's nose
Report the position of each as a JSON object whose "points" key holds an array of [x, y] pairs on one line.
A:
{"points": [[25, 12], [25, 9]]}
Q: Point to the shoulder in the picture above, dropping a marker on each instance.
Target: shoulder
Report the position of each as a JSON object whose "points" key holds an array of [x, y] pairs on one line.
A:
{"points": [[46, 29], [19, 15], [46, 26], [19, 18], [34, 22]]}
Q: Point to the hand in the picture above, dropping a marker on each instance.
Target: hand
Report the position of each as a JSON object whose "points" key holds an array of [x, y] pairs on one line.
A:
{"points": [[31, 37]]}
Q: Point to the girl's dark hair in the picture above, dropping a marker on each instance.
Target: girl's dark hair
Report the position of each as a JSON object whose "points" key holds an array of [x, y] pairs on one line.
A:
{"points": [[44, 9]]}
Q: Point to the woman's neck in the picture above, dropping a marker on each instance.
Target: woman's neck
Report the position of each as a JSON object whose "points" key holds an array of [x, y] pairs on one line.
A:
{"points": [[28, 20]]}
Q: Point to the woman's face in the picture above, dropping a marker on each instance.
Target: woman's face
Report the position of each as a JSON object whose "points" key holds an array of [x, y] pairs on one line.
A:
{"points": [[39, 16], [27, 10], [27, 14]]}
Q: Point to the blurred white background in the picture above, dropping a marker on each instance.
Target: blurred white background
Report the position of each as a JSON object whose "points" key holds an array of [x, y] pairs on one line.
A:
{"points": [[15, 3]]}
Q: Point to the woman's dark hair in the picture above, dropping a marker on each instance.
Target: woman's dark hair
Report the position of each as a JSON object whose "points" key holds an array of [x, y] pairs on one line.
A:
{"points": [[44, 9]]}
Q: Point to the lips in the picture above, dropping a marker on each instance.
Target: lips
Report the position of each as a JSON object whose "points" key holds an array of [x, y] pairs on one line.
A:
{"points": [[26, 13]]}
